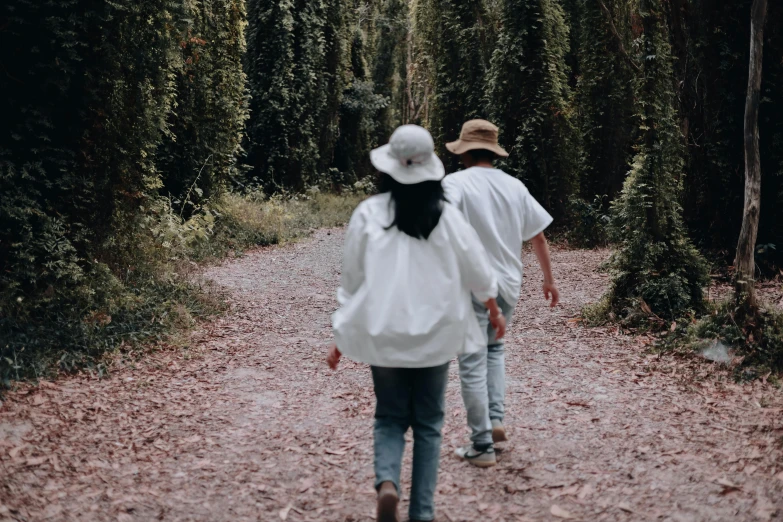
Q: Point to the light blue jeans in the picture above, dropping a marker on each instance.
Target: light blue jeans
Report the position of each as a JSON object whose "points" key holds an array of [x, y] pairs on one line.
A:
{"points": [[415, 398], [483, 378]]}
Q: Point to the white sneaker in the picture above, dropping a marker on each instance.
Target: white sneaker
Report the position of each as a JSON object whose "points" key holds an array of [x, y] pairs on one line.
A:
{"points": [[498, 431], [480, 459]]}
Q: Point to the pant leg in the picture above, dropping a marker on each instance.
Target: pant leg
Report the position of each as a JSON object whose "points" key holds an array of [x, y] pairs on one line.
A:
{"points": [[473, 384], [392, 417], [496, 365], [429, 397]]}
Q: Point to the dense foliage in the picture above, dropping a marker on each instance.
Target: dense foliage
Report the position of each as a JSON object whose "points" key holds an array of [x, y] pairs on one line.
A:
{"points": [[711, 41], [296, 49], [106, 107], [208, 118]]}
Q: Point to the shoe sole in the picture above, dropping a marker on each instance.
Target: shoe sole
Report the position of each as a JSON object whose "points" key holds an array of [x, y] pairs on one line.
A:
{"points": [[480, 464], [387, 508], [499, 434]]}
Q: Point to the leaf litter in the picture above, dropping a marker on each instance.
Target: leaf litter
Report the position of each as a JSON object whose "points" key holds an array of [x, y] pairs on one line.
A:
{"points": [[246, 422]]}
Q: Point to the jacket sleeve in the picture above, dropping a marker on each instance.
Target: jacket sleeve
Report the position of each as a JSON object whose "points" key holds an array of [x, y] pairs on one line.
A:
{"points": [[477, 273], [352, 275]]}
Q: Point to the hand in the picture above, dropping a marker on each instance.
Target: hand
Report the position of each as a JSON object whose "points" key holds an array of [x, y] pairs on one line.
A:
{"points": [[333, 357], [551, 291], [498, 322]]}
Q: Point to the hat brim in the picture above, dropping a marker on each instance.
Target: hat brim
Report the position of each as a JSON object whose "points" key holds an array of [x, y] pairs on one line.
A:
{"points": [[462, 146], [430, 170]]}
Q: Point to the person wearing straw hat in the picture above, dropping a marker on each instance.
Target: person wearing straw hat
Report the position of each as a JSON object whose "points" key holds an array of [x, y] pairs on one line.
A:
{"points": [[410, 264], [503, 214]]}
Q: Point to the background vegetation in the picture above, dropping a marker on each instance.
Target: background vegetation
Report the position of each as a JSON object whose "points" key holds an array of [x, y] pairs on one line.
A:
{"points": [[138, 135]]}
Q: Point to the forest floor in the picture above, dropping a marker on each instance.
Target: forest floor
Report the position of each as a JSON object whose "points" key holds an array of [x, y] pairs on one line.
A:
{"points": [[247, 423]]}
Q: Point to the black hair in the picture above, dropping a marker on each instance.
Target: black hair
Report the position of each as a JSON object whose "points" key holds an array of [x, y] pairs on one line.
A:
{"points": [[417, 208], [482, 155]]}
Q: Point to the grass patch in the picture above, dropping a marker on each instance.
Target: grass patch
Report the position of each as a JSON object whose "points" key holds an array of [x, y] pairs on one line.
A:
{"points": [[244, 221], [146, 288]]}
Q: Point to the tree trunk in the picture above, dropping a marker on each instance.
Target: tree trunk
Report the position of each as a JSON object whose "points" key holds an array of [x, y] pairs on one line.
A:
{"points": [[745, 291]]}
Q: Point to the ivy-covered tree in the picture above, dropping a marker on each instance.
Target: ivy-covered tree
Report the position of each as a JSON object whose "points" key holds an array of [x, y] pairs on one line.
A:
{"points": [[294, 65], [336, 42], [655, 268], [94, 97], [358, 122], [529, 98], [457, 40], [389, 59], [207, 125], [604, 99]]}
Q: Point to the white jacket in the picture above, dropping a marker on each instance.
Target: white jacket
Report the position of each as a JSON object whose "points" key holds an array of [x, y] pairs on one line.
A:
{"points": [[406, 302]]}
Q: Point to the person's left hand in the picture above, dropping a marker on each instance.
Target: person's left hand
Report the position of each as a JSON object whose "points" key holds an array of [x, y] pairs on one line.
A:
{"points": [[333, 357]]}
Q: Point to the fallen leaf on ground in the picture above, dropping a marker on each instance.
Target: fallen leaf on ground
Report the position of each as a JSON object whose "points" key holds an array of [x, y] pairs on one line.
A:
{"points": [[625, 506], [560, 512], [585, 491], [284, 512], [37, 461], [728, 487], [765, 509], [16, 451]]}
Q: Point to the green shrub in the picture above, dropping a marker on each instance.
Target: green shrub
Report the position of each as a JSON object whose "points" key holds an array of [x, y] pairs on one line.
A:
{"points": [[656, 270], [759, 343]]}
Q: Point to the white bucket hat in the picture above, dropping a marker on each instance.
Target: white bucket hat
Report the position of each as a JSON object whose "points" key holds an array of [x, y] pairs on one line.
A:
{"points": [[409, 157]]}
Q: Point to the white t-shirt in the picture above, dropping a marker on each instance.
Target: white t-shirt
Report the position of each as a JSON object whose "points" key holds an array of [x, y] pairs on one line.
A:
{"points": [[504, 214], [406, 302]]}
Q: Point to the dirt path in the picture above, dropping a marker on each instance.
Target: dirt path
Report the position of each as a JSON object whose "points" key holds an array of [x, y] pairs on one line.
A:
{"points": [[248, 424]]}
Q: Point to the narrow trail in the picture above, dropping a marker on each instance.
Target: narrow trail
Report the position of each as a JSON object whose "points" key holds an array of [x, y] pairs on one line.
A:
{"points": [[248, 424]]}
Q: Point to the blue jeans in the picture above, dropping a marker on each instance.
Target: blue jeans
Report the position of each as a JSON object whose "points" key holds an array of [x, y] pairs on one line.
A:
{"points": [[483, 378], [410, 397]]}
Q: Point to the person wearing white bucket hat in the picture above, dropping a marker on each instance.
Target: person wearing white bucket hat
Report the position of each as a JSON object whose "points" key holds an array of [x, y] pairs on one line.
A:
{"points": [[410, 264], [409, 157]]}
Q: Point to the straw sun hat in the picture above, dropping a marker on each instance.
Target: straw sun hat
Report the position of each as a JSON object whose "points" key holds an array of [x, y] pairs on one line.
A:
{"points": [[409, 157], [477, 134]]}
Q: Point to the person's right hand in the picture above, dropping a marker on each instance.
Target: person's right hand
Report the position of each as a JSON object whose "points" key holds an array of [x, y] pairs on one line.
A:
{"points": [[498, 322], [333, 356], [551, 291]]}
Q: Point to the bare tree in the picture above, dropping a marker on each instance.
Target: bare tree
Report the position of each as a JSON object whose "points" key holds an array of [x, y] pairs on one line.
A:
{"points": [[745, 260]]}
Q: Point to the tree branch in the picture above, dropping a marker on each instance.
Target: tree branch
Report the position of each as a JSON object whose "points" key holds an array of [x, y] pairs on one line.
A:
{"points": [[616, 34]]}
